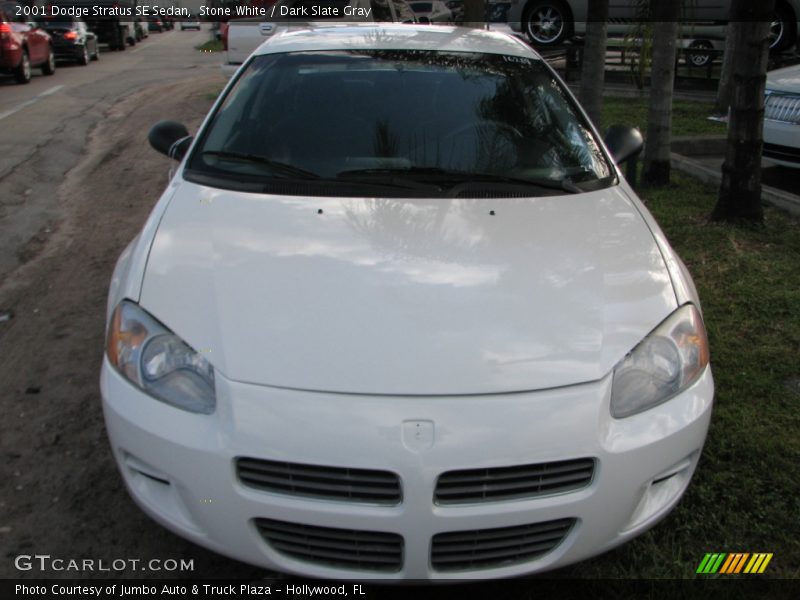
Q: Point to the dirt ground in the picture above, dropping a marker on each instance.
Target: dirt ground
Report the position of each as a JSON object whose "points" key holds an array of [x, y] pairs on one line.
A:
{"points": [[61, 492]]}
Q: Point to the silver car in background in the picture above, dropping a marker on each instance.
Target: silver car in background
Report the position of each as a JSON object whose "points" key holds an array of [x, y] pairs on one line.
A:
{"points": [[782, 117], [552, 22]]}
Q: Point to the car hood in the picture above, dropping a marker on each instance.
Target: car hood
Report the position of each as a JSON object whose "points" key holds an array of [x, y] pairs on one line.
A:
{"points": [[408, 297], [785, 80]]}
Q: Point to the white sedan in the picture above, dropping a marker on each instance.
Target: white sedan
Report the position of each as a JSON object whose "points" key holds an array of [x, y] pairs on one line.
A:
{"points": [[782, 117], [190, 24], [364, 335]]}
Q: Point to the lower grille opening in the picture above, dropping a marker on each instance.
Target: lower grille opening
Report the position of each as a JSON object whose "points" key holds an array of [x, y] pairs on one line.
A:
{"points": [[333, 547], [494, 548]]}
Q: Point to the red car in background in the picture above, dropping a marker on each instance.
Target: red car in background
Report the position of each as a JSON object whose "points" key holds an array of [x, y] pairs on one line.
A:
{"points": [[23, 44]]}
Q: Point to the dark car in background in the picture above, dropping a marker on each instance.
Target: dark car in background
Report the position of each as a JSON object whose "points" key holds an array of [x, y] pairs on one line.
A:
{"points": [[23, 44], [72, 39], [155, 24]]}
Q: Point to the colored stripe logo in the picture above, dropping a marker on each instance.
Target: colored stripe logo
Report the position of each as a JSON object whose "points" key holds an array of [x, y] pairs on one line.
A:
{"points": [[734, 563]]}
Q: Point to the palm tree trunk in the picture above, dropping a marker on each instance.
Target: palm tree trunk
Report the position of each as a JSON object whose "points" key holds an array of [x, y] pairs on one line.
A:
{"points": [[740, 192], [593, 69], [662, 83], [725, 88]]}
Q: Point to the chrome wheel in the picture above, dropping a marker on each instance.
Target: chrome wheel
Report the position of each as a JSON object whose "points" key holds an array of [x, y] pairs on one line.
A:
{"points": [[776, 34], [696, 56], [782, 29], [49, 67], [23, 71], [546, 24]]}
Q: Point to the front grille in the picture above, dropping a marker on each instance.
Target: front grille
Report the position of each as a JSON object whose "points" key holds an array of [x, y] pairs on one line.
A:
{"points": [[493, 548], [346, 548], [504, 483], [784, 108], [335, 483]]}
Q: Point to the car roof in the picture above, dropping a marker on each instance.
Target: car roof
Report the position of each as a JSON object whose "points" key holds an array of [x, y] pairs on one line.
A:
{"points": [[386, 36]]}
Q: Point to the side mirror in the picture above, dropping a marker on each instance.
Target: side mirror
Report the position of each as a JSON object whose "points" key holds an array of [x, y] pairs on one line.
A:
{"points": [[623, 142], [170, 138]]}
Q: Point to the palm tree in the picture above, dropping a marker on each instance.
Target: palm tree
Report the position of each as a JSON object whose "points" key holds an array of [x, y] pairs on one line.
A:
{"points": [[594, 59], [662, 81], [740, 192], [725, 87]]}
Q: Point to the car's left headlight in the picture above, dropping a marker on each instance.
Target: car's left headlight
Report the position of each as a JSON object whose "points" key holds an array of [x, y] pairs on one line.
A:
{"points": [[156, 360], [670, 359]]}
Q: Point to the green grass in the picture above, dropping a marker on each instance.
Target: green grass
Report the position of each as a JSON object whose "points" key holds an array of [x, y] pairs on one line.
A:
{"points": [[688, 118], [211, 46], [745, 496]]}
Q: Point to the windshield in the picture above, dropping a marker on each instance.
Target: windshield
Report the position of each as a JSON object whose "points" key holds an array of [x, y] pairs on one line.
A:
{"points": [[425, 121]]}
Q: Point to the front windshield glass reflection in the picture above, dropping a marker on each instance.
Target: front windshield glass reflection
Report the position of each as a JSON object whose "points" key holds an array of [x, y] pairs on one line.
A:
{"points": [[436, 119]]}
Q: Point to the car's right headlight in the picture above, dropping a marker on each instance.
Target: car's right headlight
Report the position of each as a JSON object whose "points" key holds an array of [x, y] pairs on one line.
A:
{"points": [[670, 359], [160, 363]]}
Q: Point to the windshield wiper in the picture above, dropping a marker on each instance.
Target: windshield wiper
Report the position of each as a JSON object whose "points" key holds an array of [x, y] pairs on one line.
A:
{"points": [[278, 167], [457, 181], [487, 179], [395, 177]]}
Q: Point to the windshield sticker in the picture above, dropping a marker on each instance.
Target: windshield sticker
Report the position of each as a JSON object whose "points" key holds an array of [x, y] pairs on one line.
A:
{"points": [[521, 60]]}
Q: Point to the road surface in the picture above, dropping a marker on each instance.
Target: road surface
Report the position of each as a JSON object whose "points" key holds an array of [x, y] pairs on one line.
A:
{"points": [[44, 125], [77, 180]]}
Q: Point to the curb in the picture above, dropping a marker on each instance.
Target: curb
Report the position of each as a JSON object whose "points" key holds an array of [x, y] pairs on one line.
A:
{"points": [[775, 197]]}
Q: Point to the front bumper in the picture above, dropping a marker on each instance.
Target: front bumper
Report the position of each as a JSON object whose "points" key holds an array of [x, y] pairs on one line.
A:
{"points": [[782, 143], [65, 50], [180, 467]]}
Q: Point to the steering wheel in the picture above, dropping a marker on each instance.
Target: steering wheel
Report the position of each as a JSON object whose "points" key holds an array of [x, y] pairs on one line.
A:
{"points": [[445, 143]]}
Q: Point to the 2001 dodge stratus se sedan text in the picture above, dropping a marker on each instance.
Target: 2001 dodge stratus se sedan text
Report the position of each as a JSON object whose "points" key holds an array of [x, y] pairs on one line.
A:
{"points": [[398, 315]]}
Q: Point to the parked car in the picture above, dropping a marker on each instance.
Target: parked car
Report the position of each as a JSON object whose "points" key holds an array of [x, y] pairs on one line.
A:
{"points": [[782, 117], [241, 36], [23, 44], [552, 22], [190, 24], [434, 11], [113, 21], [142, 29], [71, 39], [155, 24], [409, 322]]}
